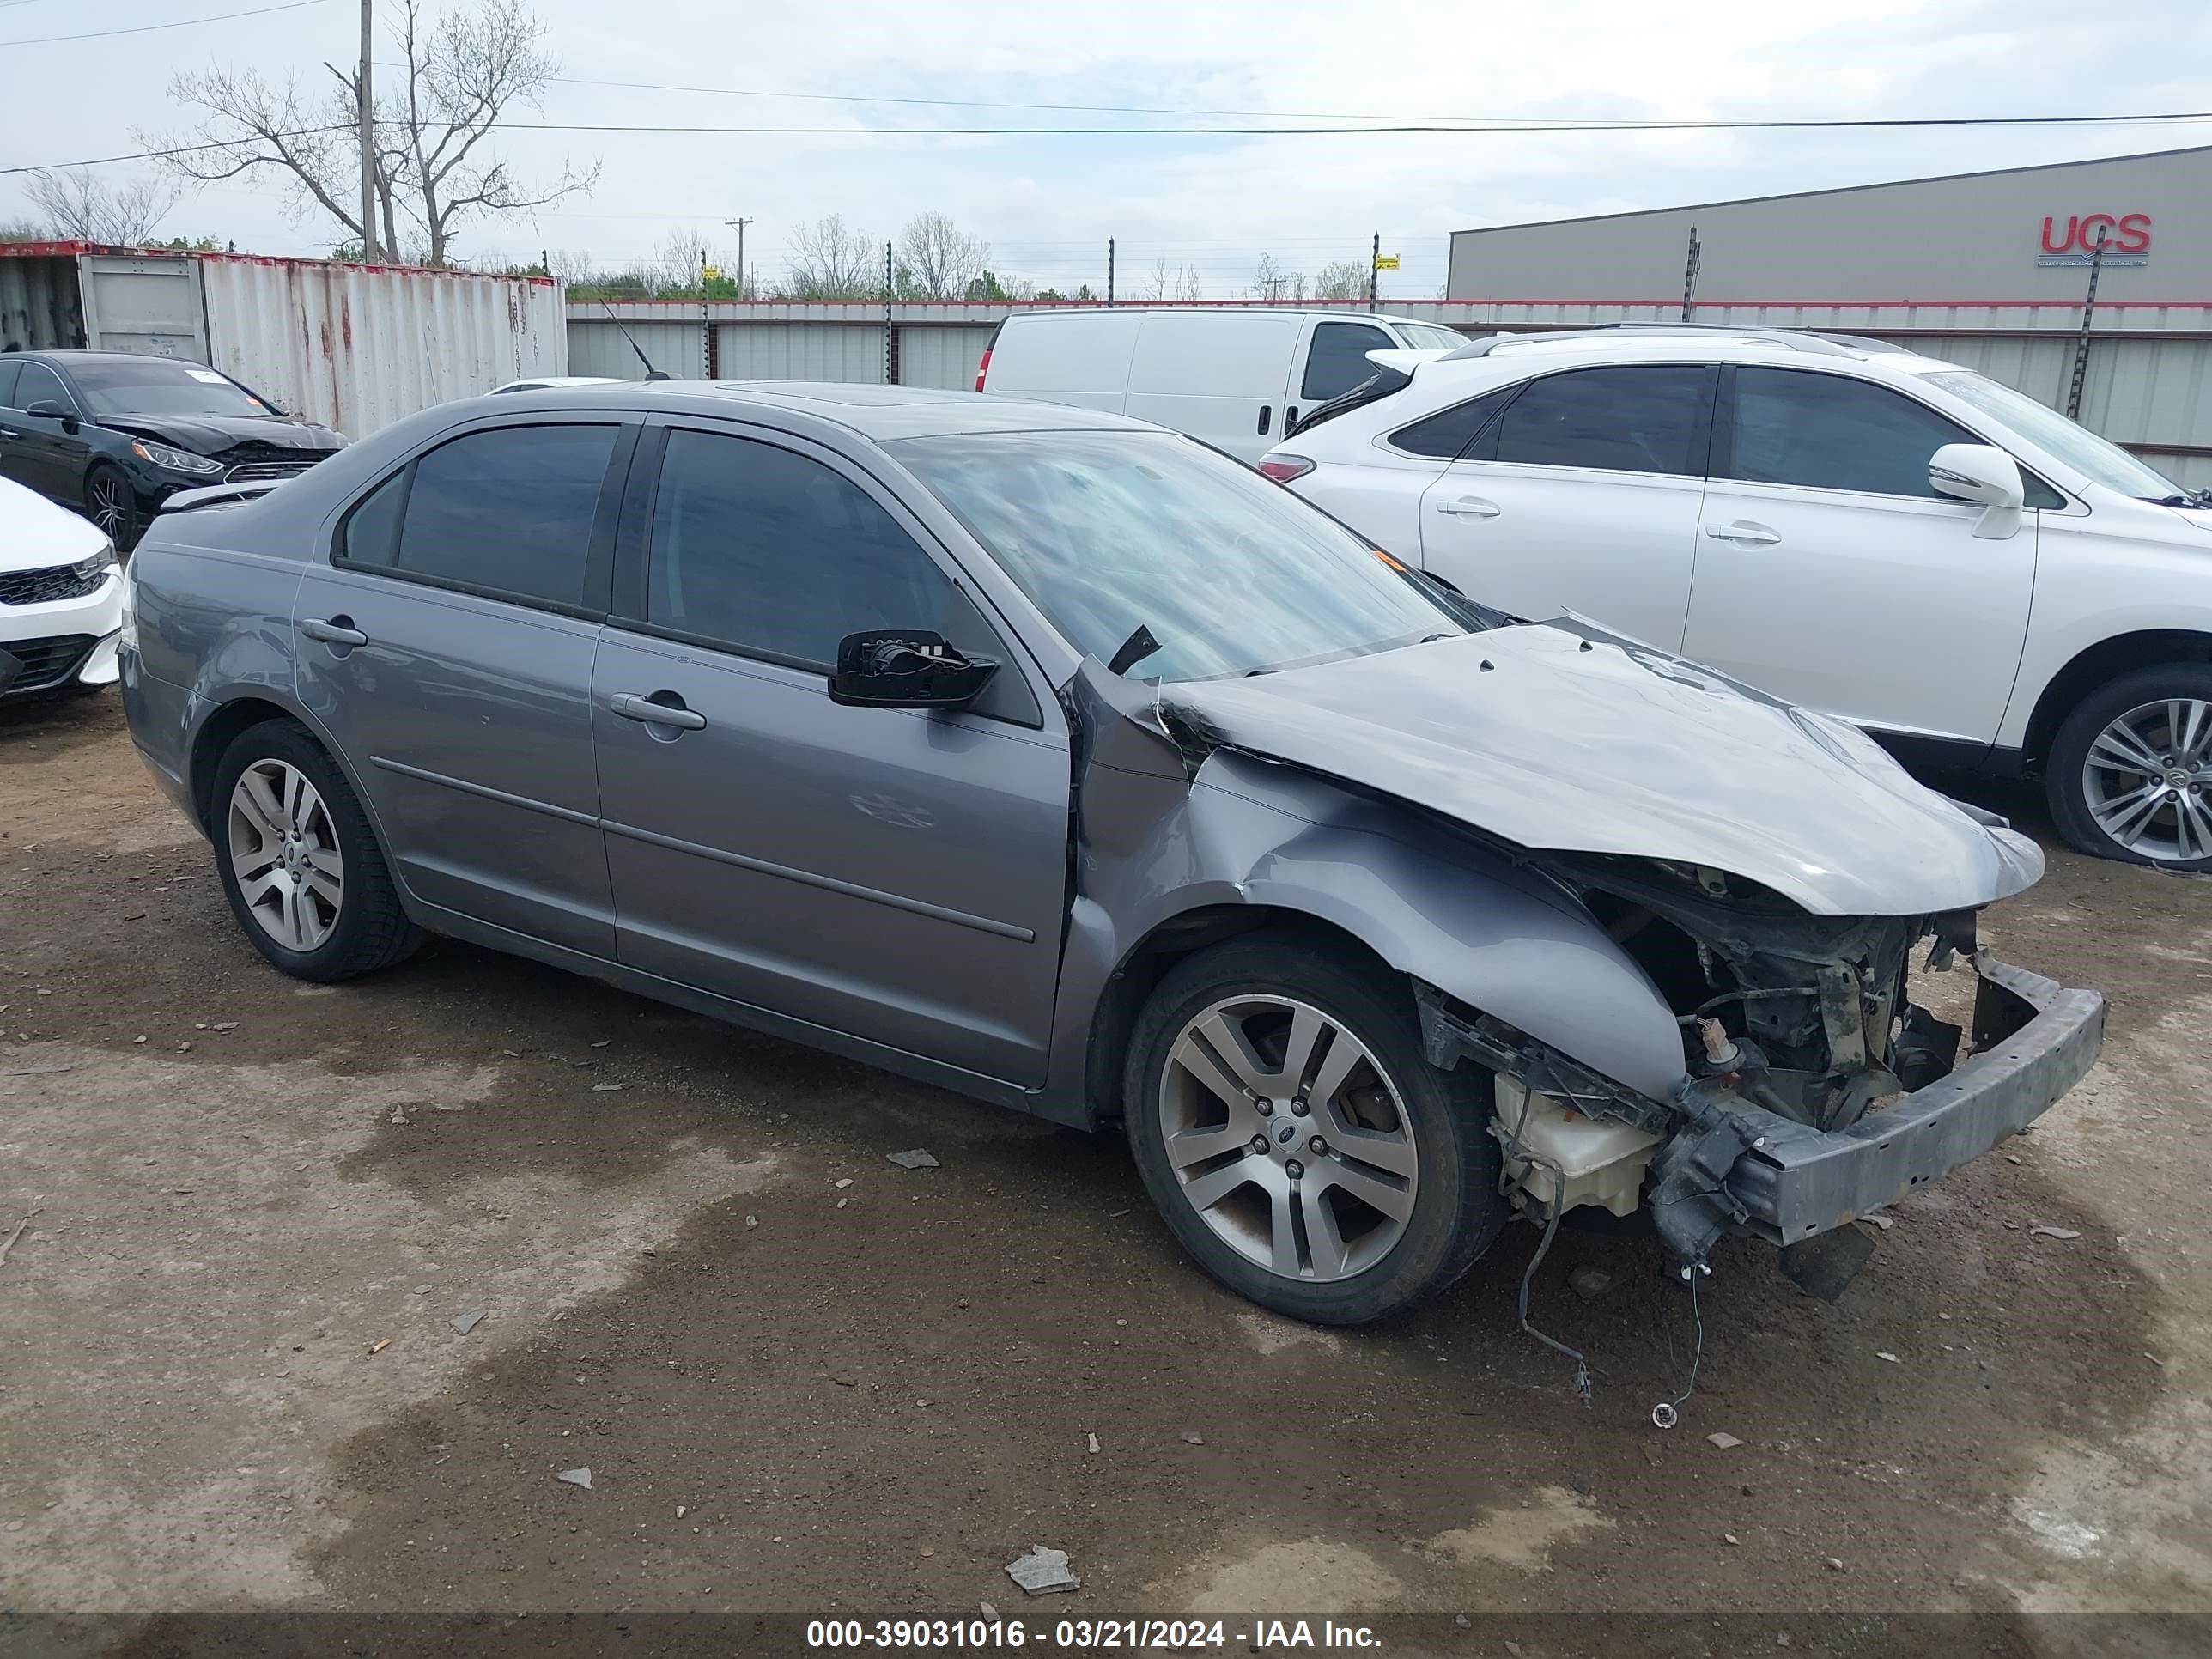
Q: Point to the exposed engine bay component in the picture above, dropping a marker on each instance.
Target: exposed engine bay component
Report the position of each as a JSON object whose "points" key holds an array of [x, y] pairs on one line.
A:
{"points": [[1562, 1156]]}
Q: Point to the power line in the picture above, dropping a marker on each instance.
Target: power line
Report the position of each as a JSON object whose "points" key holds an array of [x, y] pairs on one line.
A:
{"points": [[1856, 123], [150, 28]]}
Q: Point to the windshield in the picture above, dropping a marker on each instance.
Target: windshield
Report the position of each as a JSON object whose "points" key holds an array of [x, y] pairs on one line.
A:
{"points": [[2098, 458], [160, 385], [1111, 533], [1428, 336]]}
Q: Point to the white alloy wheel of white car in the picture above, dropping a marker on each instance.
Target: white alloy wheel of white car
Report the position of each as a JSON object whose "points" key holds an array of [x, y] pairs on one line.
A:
{"points": [[61, 599], [1944, 561]]}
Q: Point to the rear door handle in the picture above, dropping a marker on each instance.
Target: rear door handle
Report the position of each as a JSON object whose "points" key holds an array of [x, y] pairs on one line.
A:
{"points": [[1744, 531], [9, 432], [1267, 414], [339, 630], [631, 707], [1469, 507]]}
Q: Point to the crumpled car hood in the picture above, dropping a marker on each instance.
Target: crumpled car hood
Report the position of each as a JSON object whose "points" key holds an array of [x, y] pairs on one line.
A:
{"points": [[1565, 738]]}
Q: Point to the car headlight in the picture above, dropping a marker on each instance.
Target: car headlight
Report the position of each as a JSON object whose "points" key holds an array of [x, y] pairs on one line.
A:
{"points": [[98, 565], [127, 620], [174, 461]]}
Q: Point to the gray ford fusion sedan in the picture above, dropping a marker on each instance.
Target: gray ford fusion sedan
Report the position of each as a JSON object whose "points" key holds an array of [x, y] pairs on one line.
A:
{"points": [[1064, 761]]}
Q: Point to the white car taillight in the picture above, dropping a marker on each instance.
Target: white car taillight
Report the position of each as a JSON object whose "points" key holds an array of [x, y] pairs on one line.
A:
{"points": [[1284, 468]]}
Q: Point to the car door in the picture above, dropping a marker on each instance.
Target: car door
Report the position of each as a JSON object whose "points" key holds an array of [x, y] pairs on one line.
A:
{"points": [[42, 454], [1830, 572], [1332, 360], [1581, 495], [897, 875], [1222, 378], [446, 646]]}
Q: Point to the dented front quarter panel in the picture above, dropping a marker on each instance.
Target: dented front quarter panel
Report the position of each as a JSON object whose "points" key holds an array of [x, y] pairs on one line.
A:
{"points": [[1160, 833]]}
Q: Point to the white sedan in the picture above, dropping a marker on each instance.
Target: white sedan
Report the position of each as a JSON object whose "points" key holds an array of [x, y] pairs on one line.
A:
{"points": [[61, 599]]}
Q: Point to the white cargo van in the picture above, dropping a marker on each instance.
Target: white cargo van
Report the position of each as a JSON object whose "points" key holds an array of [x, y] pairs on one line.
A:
{"points": [[1235, 376]]}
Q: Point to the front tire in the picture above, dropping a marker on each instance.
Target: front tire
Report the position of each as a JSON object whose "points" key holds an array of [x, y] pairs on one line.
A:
{"points": [[113, 504], [1296, 1141], [2130, 775], [299, 861]]}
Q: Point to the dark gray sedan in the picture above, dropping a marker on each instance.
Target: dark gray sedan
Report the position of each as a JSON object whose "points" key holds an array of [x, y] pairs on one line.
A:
{"points": [[1066, 762]]}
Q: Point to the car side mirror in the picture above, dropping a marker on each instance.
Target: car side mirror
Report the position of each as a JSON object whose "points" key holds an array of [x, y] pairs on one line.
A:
{"points": [[906, 668], [1985, 476], [48, 410]]}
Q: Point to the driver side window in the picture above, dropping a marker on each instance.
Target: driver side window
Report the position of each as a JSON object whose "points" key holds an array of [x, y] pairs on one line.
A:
{"points": [[39, 385]]}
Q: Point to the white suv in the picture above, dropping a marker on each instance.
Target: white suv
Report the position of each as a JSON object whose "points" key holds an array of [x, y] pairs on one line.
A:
{"points": [[1866, 532]]}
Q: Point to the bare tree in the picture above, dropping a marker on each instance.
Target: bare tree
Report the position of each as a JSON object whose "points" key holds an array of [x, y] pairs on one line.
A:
{"points": [[572, 266], [1270, 281], [83, 208], [831, 260], [1187, 286], [459, 75], [1340, 279], [941, 258], [1153, 285]]}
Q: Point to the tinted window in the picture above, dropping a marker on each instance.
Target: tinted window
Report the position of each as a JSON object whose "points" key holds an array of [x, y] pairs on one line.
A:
{"points": [[1337, 360], [8, 384], [1631, 419], [1447, 433], [1828, 432], [510, 510], [39, 384], [769, 551], [372, 531]]}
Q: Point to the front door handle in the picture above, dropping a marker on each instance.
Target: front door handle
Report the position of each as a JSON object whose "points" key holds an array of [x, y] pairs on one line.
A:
{"points": [[338, 630], [1744, 531], [9, 432], [632, 706], [1469, 507]]}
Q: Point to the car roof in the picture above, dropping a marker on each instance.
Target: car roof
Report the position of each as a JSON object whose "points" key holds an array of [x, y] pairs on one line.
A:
{"points": [[1509, 357], [877, 412], [1338, 312], [70, 355]]}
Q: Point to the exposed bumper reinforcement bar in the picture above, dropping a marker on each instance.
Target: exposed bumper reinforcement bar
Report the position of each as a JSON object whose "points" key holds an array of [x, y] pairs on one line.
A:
{"points": [[2033, 1041]]}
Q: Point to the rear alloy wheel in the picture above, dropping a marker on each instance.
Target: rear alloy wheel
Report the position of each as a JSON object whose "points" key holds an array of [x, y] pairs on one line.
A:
{"points": [[299, 861], [1297, 1142], [110, 502], [2130, 771]]}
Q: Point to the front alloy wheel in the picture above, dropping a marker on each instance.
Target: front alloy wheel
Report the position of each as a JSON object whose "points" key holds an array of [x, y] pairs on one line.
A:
{"points": [[284, 854], [1294, 1137], [108, 500], [2148, 780], [2130, 770], [1287, 1138]]}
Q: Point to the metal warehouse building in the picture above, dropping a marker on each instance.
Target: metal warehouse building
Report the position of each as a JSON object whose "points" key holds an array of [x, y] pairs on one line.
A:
{"points": [[1990, 270]]}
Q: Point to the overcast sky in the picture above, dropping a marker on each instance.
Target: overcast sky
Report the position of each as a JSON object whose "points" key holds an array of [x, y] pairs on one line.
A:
{"points": [[1048, 204]]}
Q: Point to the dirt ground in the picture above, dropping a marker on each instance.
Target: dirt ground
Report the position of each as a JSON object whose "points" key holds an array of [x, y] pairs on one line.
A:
{"points": [[806, 1380]]}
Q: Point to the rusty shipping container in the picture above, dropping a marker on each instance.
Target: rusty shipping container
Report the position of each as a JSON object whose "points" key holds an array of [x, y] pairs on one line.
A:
{"points": [[355, 347]]}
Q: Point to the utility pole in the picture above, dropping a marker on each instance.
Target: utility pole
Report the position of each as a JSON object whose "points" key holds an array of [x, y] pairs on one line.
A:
{"points": [[2081, 344], [1690, 275], [890, 360], [367, 113], [707, 354], [1110, 270], [739, 225], [1375, 274]]}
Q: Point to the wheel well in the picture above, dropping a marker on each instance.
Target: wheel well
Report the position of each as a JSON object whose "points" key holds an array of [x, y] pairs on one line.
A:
{"points": [[2107, 660], [216, 734], [1158, 953]]}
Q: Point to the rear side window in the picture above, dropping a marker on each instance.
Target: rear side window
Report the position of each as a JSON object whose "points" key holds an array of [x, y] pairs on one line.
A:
{"points": [[509, 510], [774, 553], [8, 384], [1830, 432], [1450, 433], [1634, 419], [1337, 360]]}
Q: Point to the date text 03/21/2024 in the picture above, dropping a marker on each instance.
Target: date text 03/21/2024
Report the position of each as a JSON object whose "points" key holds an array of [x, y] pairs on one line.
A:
{"points": [[1154, 1634]]}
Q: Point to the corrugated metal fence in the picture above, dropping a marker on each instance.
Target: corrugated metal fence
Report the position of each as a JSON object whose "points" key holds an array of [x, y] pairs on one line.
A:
{"points": [[2149, 386]]}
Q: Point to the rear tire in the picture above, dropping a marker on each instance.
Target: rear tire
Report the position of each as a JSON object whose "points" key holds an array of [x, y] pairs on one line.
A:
{"points": [[1277, 1218], [2129, 774], [299, 862]]}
